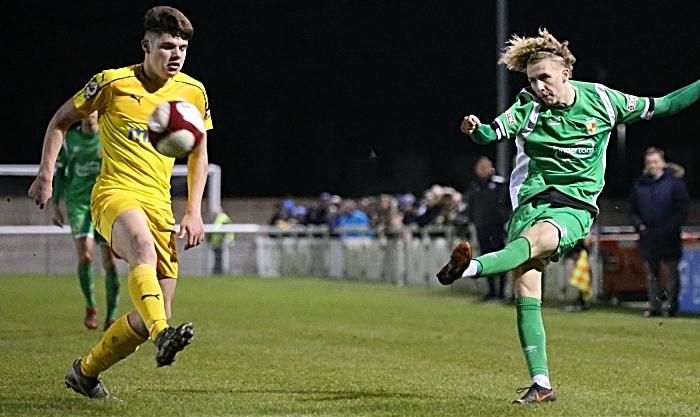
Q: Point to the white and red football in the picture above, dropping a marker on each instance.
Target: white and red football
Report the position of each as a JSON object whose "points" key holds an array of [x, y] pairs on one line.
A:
{"points": [[175, 128]]}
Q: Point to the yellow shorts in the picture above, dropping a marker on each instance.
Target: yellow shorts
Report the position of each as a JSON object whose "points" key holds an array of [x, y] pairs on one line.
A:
{"points": [[105, 209]]}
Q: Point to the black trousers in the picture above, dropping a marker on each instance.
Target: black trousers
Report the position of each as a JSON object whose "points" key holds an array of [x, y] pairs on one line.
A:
{"points": [[655, 293]]}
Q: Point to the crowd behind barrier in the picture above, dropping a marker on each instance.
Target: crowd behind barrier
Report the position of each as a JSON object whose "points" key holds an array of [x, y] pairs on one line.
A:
{"points": [[47, 249], [438, 206]]}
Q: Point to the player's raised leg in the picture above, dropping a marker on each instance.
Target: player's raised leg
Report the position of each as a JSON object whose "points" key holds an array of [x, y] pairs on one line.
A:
{"points": [[539, 241]]}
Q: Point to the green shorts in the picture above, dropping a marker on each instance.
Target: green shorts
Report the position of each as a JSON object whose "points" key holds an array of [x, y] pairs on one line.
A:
{"points": [[81, 224], [573, 224]]}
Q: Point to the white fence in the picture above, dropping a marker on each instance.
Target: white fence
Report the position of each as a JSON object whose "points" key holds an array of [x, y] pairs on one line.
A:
{"points": [[273, 252]]}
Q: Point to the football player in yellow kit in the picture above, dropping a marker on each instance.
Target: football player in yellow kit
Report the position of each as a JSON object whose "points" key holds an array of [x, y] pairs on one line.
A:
{"points": [[130, 202]]}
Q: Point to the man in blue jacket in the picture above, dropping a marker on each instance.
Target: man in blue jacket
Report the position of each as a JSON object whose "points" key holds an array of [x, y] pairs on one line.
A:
{"points": [[351, 217], [659, 207]]}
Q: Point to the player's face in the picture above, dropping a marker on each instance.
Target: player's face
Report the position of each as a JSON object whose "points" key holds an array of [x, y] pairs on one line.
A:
{"points": [[165, 55], [548, 78], [654, 164]]}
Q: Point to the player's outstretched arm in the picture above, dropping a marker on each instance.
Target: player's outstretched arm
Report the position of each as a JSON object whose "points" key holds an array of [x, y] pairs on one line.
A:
{"points": [[41, 189], [470, 124], [197, 169], [481, 134], [677, 101]]}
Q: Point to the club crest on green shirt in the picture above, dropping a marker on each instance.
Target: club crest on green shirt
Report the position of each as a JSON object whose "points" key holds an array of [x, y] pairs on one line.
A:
{"points": [[591, 126]]}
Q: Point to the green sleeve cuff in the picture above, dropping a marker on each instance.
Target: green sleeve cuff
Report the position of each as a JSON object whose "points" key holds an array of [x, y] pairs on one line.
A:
{"points": [[484, 134]]}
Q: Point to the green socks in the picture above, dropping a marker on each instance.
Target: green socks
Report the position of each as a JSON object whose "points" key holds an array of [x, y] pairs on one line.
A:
{"points": [[112, 289], [532, 337], [87, 284], [516, 253]]}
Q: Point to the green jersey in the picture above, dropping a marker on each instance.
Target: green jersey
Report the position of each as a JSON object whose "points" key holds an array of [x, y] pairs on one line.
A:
{"points": [[562, 150], [78, 164]]}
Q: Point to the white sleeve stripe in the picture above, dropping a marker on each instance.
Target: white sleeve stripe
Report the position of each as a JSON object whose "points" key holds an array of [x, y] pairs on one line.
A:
{"points": [[606, 101], [648, 109], [501, 129]]}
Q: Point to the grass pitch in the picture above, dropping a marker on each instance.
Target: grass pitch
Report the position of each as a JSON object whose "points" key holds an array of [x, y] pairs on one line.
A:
{"points": [[300, 346]]}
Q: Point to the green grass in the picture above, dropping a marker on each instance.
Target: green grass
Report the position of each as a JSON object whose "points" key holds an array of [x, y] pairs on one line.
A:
{"points": [[298, 346]]}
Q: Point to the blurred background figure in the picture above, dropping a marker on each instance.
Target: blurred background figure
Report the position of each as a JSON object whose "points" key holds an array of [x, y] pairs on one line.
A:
{"points": [[429, 209], [78, 164], [333, 208], [369, 206], [283, 217], [489, 208], [581, 275], [388, 215], [350, 216], [317, 212], [407, 209], [299, 216], [217, 239], [658, 208]]}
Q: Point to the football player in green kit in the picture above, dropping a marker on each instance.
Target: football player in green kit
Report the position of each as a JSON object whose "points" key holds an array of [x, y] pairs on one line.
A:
{"points": [[561, 129], [77, 167]]}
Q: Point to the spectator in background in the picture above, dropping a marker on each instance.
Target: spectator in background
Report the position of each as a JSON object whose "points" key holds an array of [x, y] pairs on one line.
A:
{"points": [[283, 217], [407, 208], [461, 220], [299, 215], [659, 207], [317, 212], [489, 208], [388, 215], [216, 239], [333, 207], [350, 216], [430, 208], [451, 199], [368, 205]]}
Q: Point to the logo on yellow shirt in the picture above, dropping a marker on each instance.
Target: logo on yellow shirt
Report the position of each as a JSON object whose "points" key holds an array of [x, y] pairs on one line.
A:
{"points": [[91, 89]]}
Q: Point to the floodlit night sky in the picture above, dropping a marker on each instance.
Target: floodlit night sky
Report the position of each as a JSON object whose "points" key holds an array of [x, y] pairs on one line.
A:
{"points": [[353, 97]]}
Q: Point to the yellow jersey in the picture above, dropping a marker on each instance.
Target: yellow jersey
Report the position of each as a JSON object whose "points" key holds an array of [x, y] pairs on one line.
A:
{"points": [[124, 102]]}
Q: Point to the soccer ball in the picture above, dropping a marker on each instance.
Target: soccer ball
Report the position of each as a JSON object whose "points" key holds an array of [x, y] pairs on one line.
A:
{"points": [[175, 128]]}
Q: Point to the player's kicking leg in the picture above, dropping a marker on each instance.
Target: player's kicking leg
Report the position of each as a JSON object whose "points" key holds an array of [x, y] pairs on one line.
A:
{"points": [[459, 261], [170, 341]]}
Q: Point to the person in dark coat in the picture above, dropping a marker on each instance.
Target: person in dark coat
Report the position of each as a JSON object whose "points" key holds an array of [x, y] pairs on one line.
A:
{"points": [[659, 206], [488, 205]]}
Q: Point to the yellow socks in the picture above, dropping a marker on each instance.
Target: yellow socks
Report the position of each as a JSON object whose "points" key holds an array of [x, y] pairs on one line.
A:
{"points": [[118, 342], [148, 298]]}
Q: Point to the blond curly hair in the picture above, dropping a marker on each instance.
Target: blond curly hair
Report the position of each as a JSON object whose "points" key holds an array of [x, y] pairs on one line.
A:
{"points": [[523, 51]]}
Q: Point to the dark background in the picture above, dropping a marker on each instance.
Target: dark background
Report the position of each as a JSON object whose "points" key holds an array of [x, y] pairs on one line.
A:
{"points": [[352, 97]]}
